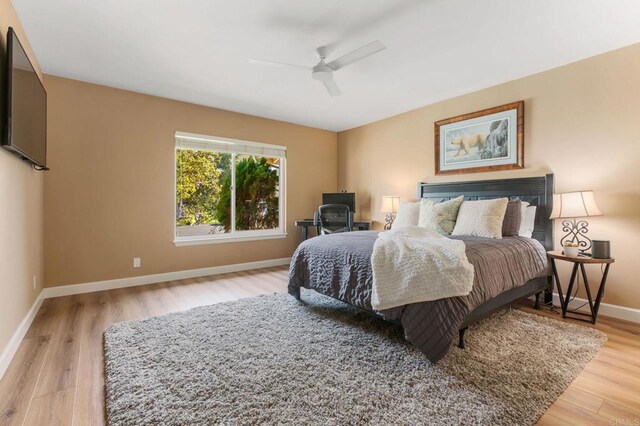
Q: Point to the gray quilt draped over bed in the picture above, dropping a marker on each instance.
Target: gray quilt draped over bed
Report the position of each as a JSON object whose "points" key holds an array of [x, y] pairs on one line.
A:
{"points": [[339, 266]]}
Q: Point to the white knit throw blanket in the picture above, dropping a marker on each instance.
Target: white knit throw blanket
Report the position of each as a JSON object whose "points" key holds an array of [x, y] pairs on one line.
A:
{"points": [[412, 264]]}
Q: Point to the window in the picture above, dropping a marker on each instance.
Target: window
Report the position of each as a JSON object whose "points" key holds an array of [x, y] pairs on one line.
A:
{"points": [[228, 190]]}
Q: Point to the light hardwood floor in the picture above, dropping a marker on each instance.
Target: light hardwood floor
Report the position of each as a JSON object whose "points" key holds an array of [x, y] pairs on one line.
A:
{"points": [[57, 377]]}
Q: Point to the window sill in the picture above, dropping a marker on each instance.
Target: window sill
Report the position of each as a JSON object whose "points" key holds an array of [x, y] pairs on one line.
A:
{"points": [[218, 239]]}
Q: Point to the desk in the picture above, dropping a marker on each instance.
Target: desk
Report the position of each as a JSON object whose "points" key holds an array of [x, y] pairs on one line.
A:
{"points": [[305, 224]]}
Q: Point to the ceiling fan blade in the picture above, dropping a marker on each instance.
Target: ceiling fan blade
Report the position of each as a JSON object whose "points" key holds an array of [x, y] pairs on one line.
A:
{"points": [[356, 55], [278, 64], [332, 87]]}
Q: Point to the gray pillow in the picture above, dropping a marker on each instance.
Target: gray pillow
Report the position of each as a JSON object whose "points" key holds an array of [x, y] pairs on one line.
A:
{"points": [[512, 218], [441, 217]]}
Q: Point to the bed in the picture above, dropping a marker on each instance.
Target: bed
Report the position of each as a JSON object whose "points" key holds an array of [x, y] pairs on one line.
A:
{"points": [[339, 266]]}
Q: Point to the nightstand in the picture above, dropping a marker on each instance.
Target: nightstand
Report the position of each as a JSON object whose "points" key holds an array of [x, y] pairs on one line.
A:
{"points": [[578, 263]]}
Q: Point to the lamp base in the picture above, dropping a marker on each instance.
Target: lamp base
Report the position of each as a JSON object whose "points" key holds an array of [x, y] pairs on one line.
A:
{"points": [[576, 231], [389, 218]]}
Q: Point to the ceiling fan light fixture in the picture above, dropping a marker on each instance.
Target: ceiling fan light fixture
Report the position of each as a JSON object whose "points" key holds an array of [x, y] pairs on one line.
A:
{"points": [[322, 72]]}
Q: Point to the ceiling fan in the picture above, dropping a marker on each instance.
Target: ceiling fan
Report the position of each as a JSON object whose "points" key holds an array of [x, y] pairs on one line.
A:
{"points": [[323, 71]]}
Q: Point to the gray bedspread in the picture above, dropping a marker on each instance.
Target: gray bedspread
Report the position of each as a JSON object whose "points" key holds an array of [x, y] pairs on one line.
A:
{"points": [[339, 265]]}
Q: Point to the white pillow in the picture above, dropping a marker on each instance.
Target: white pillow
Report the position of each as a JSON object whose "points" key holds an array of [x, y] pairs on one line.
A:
{"points": [[528, 222], [408, 214], [482, 218]]}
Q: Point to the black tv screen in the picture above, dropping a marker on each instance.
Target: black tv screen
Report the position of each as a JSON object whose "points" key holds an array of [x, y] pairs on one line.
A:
{"points": [[26, 106]]}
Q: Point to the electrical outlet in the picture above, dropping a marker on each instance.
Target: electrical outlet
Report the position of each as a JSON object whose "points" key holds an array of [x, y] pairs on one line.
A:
{"points": [[35, 281], [136, 262]]}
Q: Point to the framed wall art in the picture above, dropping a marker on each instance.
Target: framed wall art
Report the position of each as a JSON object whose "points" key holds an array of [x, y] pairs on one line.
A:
{"points": [[482, 141]]}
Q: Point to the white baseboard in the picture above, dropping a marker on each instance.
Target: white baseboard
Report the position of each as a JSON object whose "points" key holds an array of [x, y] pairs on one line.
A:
{"points": [[46, 293], [68, 290], [606, 309], [11, 348]]}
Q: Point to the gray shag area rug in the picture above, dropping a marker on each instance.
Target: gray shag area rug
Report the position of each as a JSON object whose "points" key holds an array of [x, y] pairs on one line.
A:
{"points": [[273, 360]]}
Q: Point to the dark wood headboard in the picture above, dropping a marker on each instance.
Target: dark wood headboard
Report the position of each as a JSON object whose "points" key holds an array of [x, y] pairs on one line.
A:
{"points": [[537, 191]]}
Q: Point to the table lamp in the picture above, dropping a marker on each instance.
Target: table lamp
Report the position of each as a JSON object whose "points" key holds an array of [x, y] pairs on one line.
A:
{"points": [[390, 204], [574, 205]]}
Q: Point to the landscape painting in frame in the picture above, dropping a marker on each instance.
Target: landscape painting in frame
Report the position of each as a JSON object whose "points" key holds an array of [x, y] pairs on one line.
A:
{"points": [[482, 141]]}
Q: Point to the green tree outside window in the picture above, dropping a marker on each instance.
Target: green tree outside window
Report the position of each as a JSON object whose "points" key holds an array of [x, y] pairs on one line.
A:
{"points": [[203, 190], [257, 195]]}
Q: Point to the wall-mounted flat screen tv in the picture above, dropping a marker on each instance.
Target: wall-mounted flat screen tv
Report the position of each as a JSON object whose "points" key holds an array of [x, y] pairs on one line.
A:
{"points": [[25, 131]]}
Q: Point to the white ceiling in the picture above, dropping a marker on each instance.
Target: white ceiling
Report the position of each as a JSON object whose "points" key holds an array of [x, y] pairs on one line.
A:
{"points": [[197, 50]]}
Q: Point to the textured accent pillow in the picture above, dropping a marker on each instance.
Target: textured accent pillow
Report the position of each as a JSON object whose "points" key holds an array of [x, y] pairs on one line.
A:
{"points": [[482, 218], [408, 214], [528, 222], [512, 218], [440, 217]]}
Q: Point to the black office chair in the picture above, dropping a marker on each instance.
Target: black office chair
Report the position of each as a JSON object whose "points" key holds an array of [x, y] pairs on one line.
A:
{"points": [[333, 218]]}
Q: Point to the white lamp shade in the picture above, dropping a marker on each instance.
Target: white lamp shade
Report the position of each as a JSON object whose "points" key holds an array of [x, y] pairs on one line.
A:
{"points": [[574, 204], [390, 204]]}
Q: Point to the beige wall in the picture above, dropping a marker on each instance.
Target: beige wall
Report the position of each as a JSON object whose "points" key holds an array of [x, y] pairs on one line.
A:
{"points": [[582, 122], [21, 213], [109, 194]]}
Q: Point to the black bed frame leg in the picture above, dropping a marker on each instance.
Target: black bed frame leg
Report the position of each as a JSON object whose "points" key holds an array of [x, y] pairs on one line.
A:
{"points": [[548, 294], [537, 305], [461, 337], [295, 292]]}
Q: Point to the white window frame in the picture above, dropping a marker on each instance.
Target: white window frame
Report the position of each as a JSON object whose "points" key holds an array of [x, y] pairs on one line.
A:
{"points": [[241, 145]]}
